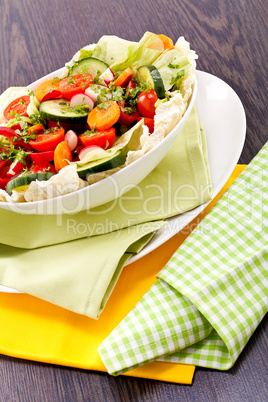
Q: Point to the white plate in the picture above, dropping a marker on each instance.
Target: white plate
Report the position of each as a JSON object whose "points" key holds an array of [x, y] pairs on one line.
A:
{"points": [[223, 115]]}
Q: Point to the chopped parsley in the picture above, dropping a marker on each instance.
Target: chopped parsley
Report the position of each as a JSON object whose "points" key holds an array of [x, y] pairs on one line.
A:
{"points": [[79, 109], [103, 106]]}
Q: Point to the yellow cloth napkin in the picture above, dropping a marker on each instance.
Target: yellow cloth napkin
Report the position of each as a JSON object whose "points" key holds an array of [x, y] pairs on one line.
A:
{"points": [[36, 330]]}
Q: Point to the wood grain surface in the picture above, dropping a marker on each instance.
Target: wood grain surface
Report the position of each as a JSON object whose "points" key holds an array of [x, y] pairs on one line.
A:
{"points": [[230, 37]]}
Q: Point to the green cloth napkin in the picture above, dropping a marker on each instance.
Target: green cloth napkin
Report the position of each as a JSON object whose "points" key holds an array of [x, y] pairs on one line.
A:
{"points": [[75, 260], [213, 292], [78, 275], [179, 183]]}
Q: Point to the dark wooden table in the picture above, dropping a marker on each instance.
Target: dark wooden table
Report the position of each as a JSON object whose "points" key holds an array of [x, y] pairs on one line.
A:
{"points": [[39, 36]]}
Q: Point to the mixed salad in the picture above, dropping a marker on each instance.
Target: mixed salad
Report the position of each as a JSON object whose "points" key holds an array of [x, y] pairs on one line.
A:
{"points": [[112, 103]]}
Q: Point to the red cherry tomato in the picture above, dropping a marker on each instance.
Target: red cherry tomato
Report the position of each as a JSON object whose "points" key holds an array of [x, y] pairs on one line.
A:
{"points": [[42, 157], [19, 106], [127, 119], [146, 103], [131, 84], [149, 122], [75, 84], [42, 168], [103, 139], [48, 140]]}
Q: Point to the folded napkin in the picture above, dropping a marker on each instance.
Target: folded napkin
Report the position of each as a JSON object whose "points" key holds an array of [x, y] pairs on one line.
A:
{"points": [[213, 292], [74, 261], [36, 330]]}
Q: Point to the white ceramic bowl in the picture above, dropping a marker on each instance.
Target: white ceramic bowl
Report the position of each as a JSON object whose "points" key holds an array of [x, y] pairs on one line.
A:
{"points": [[108, 189]]}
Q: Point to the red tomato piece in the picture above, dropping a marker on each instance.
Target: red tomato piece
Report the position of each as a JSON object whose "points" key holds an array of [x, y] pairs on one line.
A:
{"points": [[19, 106], [131, 84], [42, 157], [48, 140], [146, 103], [42, 168], [4, 168], [103, 139], [127, 119], [75, 84], [149, 122]]}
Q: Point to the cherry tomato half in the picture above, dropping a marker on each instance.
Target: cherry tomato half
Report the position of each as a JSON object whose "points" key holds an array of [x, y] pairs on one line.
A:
{"points": [[41, 168], [103, 139], [48, 140], [19, 106], [75, 84], [146, 103], [127, 119]]}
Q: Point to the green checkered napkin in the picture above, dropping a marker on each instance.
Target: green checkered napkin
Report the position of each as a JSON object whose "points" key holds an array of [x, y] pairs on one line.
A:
{"points": [[213, 292]]}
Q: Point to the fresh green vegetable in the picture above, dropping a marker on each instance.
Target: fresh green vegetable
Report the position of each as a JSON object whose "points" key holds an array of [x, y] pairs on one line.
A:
{"points": [[23, 181], [151, 76], [138, 54], [90, 65], [172, 66], [110, 48], [60, 110], [114, 160]]}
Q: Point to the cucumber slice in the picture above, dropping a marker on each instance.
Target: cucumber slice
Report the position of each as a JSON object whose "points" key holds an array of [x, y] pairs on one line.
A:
{"points": [[152, 77], [117, 159], [22, 182], [90, 65], [59, 110]]}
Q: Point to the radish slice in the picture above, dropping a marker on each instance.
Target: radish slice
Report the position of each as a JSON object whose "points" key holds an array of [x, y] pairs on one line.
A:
{"points": [[95, 91], [88, 149], [82, 99], [71, 139], [107, 76]]}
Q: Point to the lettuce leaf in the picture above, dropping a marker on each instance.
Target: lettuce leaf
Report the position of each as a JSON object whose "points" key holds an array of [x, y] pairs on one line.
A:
{"points": [[85, 53], [138, 54], [111, 48], [172, 66]]}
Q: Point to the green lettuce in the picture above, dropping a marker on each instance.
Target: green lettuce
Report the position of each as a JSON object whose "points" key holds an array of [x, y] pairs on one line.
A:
{"points": [[84, 54], [172, 66], [138, 54], [111, 48]]}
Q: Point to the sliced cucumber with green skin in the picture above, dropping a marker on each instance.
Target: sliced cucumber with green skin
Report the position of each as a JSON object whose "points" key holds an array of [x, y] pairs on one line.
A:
{"points": [[117, 159], [90, 65], [22, 182], [152, 77], [59, 110]]}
